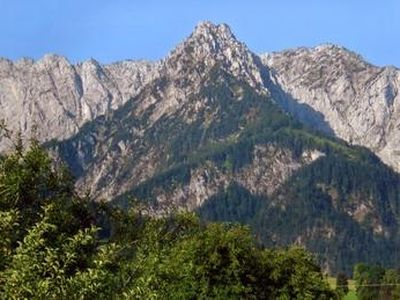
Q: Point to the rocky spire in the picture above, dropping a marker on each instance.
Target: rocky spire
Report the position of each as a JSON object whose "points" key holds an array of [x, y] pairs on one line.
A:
{"points": [[214, 34], [212, 44]]}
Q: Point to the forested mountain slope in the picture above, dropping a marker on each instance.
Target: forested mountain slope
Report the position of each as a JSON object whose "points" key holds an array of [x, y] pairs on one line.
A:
{"points": [[207, 134]]}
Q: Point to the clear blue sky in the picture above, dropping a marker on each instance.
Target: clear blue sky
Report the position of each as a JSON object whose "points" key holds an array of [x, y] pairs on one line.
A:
{"points": [[111, 30]]}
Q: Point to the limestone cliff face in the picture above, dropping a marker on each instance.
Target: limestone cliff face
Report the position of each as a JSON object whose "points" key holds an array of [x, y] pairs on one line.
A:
{"points": [[336, 90], [58, 97], [328, 86]]}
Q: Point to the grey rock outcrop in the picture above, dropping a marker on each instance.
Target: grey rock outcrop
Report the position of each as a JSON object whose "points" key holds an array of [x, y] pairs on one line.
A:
{"points": [[58, 97], [270, 167], [211, 46], [336, 90]]}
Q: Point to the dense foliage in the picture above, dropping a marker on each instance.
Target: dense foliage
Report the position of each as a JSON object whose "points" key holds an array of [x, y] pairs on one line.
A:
{"points": [[55, 244], [342, 285], [373, 282]]}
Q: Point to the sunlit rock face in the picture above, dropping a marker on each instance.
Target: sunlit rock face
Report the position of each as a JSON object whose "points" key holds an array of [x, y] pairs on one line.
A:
{"points": [[355, 100], [328, 86], [56, 97]]}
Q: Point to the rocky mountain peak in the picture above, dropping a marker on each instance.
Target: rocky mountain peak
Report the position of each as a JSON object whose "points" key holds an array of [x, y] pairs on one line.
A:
{"points": [[58, 97], [213, 33], [50, 61], [359, 102], [331, 47], [91, 63], [210, 46], [5, 65], [330, 56], [91, 67], [24, 62]]}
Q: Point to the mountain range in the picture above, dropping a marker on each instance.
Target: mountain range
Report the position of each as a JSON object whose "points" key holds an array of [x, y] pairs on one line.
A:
{"points": [[301, 145]]}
